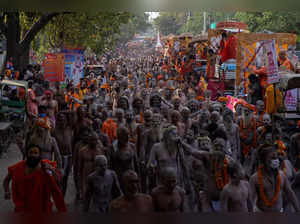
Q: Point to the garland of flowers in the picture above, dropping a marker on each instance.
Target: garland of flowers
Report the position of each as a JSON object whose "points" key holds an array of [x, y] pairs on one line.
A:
{"points": [[219, 179], [247, 148], [261, 189]]}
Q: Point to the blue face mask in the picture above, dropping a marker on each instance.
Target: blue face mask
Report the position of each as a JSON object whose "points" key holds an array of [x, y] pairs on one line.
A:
{"points": [[42, 115]]}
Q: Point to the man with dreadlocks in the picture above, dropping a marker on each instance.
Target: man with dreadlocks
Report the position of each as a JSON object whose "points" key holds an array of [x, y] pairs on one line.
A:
{"points": [[41, 137], [247, 125], [269, 184], [168, 153]]}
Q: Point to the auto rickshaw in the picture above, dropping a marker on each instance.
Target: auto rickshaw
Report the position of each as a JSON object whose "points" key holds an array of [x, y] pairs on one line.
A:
{"points": [[13, 95]]}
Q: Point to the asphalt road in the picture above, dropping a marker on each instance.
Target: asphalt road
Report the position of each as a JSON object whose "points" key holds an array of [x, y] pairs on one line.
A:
{"points": [[12, 156]]}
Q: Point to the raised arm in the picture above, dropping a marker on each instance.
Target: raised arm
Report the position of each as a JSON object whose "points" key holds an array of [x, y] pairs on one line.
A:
{"points": [[198, 154]]}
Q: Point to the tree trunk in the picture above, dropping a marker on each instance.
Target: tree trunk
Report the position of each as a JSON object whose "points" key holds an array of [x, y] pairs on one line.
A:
{"points": [[18, 50], [13, 38]]}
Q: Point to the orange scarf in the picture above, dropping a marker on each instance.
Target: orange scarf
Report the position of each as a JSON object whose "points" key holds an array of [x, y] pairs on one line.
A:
{"points": [[110, 127]]}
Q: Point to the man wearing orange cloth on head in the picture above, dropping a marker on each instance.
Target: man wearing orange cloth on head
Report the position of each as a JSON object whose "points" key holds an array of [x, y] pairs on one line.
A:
{"points": [[34, 184]]}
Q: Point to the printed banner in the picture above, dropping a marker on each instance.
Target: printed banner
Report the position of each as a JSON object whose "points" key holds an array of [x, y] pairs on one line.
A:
{"points": [[272, 65], [74, 64], [247, 44], [54, 67], [290, 100]]}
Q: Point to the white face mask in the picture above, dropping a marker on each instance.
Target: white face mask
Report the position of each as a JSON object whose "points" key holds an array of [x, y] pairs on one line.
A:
{"points": [[274, 164]]}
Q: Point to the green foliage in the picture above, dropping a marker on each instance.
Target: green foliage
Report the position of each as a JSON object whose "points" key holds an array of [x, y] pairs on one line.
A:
{"points": [[282, 22], [137, 23], [95, 31], [170, 22]]}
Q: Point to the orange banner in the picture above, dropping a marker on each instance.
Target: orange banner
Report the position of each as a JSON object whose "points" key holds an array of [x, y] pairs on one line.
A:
{"points": [[54, 67]]}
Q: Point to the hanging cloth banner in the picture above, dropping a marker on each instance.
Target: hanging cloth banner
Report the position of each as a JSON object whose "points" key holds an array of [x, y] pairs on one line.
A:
{"points": [[272, 65]]}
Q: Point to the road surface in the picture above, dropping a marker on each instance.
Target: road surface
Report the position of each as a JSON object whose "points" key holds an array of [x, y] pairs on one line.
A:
{"points": [[12, 156]]}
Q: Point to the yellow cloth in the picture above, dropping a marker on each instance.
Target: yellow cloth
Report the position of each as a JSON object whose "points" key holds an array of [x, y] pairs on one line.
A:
{"points": [[272, 104], [270, 100]]}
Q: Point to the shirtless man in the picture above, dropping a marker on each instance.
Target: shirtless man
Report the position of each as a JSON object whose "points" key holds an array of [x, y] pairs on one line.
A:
{"points": [[176, 103], [123, 154], [168, 154], [205, 144], [235, 196], [260, 106], [247, 126], [138, 108], [82, 122], [86, 161], [175, 120], [123, 103], [186, 120], [131, 126], [63, 135], [102, 187], [52, 106], [269, 184], [202, 121], [141, 130], [132, 201], [168, 197], [233, 135], [41, 137], [264, 128], [150, 137], [119, 114], [215, 180]]}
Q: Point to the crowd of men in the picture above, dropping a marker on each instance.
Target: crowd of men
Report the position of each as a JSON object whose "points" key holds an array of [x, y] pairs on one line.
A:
{"points": [[143, 136]]}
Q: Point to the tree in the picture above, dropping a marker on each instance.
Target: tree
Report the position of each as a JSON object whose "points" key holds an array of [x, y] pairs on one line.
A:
{"points": [[18, 43], [21, 29], [170, 22], [272, 21], [138, 23], [85, 30]]}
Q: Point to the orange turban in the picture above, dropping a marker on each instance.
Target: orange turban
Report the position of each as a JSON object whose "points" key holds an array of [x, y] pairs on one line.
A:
{"points": [[44, 123]]}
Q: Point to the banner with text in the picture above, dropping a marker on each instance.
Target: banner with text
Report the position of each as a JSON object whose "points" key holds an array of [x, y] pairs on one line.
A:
{"points": [[272, 65], [290, 100], [54, 67], [74, 64]]}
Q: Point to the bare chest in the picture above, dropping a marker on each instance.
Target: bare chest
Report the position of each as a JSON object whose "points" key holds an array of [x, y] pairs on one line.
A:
{"points": [[172, 202]]}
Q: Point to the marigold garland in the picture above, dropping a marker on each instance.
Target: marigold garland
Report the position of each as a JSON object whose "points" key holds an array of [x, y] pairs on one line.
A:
{"points": [[261, 189], [220, 181], [247, 148]]}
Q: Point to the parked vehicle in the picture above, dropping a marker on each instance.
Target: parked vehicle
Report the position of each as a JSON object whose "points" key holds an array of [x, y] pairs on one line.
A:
{"points": [[13, 117]]}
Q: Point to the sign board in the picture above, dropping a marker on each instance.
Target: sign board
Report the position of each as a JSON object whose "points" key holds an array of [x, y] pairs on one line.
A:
{"points": [[54, 66], [290, 100], [74, 64], [272, 65]]}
